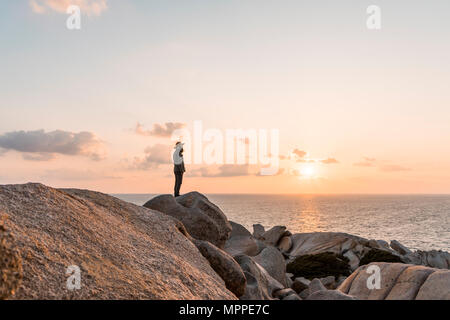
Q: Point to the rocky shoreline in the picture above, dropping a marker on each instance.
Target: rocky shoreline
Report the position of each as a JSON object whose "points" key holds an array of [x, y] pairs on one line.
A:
{"points": [[185, 248]]}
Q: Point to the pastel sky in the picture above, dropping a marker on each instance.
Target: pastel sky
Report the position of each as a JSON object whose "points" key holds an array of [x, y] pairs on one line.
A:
{"points": [[358, 110]]}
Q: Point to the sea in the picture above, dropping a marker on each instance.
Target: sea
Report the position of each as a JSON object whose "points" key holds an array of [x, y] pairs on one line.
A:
{"points": [[420, 222]]}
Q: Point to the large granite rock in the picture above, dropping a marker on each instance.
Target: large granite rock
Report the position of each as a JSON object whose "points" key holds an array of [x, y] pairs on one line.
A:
{"points": [[273, 262], [10, 265], [260, 285], [224, 265], [124, 251], [241, 241], [398, 281], [433, 258], [202, 219]]}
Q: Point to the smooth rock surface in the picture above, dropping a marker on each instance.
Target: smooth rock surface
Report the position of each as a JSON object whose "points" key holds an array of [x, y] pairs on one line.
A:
{"points": [[273, 262], [123, 251], [202, 219]]}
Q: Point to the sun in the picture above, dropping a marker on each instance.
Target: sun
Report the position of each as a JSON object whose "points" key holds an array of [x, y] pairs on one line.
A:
{"points": [[308, 171]]}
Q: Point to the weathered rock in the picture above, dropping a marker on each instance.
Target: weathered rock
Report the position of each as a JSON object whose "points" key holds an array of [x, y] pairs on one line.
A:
{"points": [[292, 297], [329, 282], [273, 262], [289, 280], [241, 242], [329, 295], [316, 285], [300, 284], [378, 255], [202, 219], [10, 265], [436, 287], [225, 266], [272, 236], [433, 258], [398, 281], [285, 244], [319, 265], [409, 282], [258, 231], [260, 285], [123, 251], [353, 259], [401, 249], [304, 294], [383, 244], [319, 242], [283, 293]]}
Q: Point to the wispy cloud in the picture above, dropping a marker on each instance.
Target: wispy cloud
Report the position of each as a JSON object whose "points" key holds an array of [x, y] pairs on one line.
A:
{"points": [[89, 7], [159, 130], [42, 146], [155, 156], [226, 170], [366, 162], [329, 161], [394, 168]]}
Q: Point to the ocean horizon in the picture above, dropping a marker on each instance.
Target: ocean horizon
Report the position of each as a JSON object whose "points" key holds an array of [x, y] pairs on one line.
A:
{"points": [[419, 221]]}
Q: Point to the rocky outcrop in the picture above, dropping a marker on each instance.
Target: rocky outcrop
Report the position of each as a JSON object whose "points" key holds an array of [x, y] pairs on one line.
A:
{"points": [[260, 285], [10, 265], [398, 281], [273, 262], [242, 242], [123, 251], [225, 266], [433, 258], [202, 219]]}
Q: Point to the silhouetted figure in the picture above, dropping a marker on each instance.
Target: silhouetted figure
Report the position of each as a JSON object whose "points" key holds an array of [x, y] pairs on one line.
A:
{"points": [[178, 167]]}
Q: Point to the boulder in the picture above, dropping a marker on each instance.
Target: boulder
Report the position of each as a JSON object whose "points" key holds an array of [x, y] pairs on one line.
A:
{"points": [[316, 285], [292, 297], [319, 242], [433, 258], [224, 265], [272, 236], [202, 219], [285, 244], [353, 259], [379, 255], [283, 293], [409, 282], [123, 251], [398, 281], [260, 285], [436, 287], [319, 265], [273, 262], [241, 242], [10, 265], [401, 249], [300, 284], [329, 295], [329, 282], [258, 231]]}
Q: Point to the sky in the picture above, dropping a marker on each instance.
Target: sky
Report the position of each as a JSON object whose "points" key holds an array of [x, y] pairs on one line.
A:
{"points": [[357, 110]]}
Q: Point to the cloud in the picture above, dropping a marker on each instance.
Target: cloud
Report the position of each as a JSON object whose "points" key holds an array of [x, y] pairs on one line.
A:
{"points": [[155, 156], [164, 130], [41, 146], [226, 170], [329, 161], [89, 7], [299, 153], [394, 168], [366, 162]]}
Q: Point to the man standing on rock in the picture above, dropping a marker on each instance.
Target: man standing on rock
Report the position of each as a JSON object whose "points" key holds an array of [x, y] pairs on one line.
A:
{"points": [[178, 168]]}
